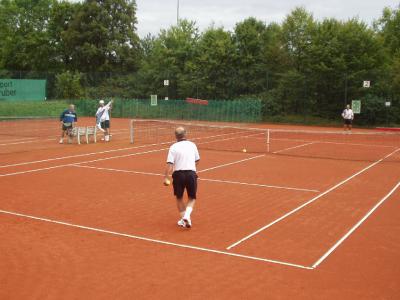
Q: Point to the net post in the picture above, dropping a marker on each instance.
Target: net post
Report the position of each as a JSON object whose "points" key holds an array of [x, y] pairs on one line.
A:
{"points": [[268, 139], [131, 131]]}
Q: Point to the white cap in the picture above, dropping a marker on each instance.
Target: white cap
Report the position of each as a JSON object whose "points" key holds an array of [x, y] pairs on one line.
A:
{"points": [[101, 102]]}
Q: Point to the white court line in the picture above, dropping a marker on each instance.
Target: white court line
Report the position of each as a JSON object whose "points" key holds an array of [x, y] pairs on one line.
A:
{"points": [[28, 142], [136, 237], [260, 185], [78, 155], [231, 163], [102, 152], [78, 163], [334, 143], [334, 247], [102, 159], [117, 170], [310, 201], [18, 139], [52, 138], [202, 179], [295, 147]]}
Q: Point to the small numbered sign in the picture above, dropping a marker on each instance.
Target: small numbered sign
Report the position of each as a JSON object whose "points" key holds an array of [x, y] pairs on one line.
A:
{"points": [[367, 83], [166, 82], [153, 100], [356, 106], [388, 103]]}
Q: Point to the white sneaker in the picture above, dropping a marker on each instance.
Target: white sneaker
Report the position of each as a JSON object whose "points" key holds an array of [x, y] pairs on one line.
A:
{"points": [[181, 223], [188, 222], [61, 141]]}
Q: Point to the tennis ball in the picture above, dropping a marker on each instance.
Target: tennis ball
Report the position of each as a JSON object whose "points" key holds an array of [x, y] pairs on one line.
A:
{"points": [[244, 150], [167, 182]]}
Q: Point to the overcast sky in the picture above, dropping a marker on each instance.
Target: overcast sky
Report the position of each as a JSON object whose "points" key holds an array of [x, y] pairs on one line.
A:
{"points": [[154, 15]]}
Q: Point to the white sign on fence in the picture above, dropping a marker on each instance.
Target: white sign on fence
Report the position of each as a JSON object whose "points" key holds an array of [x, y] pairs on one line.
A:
{"points": [[367, 83]]}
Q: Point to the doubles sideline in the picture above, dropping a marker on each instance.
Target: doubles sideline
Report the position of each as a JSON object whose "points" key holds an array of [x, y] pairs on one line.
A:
{"points": [[355, 227], [309, 202]]}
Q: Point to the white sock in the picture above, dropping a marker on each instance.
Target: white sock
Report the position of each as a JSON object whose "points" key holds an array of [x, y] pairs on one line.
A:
{"points": [[188, 212]]}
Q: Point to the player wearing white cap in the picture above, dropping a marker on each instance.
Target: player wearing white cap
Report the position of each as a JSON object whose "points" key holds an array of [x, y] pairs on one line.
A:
{"points": [[103, 118]]}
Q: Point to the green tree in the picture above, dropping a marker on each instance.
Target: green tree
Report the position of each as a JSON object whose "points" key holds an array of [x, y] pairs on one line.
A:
{"points": [[68, 85], [297, 33], [171, 56], [214, 64], [249, 59], [389, 27], [62, 14], [102, 36], [343, 55], [25, 41]]}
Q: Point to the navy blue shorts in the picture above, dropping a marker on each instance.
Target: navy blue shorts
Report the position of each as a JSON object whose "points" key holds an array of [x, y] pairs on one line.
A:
{"points": [[185, 180], [105, 124], [348, 121]]}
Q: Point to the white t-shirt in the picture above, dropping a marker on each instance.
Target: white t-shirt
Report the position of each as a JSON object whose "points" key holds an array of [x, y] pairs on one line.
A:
{"points": [[183, 155], [348, 114], [102, 113]]}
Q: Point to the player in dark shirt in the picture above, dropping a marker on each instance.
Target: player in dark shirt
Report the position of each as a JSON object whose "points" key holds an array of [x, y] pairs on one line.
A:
{"points": [[67, 119]]}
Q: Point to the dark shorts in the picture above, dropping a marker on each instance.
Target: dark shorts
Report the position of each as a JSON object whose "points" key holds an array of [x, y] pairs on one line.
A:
{"points": [[67, 126], [185, 180], [105, 124], [348, 122]]}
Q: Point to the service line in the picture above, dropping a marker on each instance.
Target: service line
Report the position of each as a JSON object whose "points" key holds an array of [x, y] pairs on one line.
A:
{"points": [[201, 179]]}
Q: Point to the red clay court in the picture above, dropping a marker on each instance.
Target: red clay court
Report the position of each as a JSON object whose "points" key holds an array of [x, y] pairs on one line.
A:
{"points": [[303, 213]]}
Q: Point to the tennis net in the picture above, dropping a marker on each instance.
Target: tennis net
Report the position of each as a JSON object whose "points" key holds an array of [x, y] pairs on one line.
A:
{"points": [[357, 146]]}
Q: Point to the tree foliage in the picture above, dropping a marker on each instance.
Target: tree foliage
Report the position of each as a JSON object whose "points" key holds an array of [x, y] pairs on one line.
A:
{"points": [[299, 66]]}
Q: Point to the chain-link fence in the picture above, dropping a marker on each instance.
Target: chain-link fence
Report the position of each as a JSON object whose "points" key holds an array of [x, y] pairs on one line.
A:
{"points": [[285, 98], [215, 110]]}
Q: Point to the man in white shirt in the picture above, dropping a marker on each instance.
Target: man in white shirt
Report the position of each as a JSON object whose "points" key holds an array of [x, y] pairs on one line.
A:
{"points": [[183, 157], [103, 118], [348, 117]]}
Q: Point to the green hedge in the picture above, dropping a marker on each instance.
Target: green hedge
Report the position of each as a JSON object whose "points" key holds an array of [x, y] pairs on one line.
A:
{"points": [[26, 108]]}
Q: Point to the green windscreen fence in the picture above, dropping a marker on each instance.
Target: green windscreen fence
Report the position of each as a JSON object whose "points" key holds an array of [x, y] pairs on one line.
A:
{"points": [[214, 110], [22, 90]]}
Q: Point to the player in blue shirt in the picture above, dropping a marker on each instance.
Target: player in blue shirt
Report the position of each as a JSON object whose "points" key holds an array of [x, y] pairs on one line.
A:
{"points": [[67, 119]]}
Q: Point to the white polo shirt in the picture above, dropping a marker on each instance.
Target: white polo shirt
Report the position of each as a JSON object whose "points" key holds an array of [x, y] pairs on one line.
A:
{"points": [[348, 114], [183, 155], [103, 114]]}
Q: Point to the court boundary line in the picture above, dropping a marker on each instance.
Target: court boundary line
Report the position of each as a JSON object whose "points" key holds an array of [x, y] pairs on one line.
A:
{"points": [[156, 241], [231, 163], [309, 201], [78, 163], [119, 156], [294, 147], [355, 227], [335, 143], [200, 178], [108, 151], [50, 138]]}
